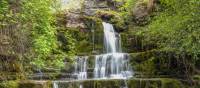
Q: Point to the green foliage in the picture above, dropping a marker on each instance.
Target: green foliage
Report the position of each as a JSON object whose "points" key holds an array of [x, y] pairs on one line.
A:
{"points": [[174, 30], [176, 27], [113, 17], [47, 49], [66, 45], [34, 29], [129, 5], [3, 7], [7, 17], [126, 9], [38, 17]]}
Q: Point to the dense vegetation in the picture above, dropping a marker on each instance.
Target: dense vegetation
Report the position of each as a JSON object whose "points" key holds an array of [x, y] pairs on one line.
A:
{"points": [[40, 38], [167, 34], [162, 36]]}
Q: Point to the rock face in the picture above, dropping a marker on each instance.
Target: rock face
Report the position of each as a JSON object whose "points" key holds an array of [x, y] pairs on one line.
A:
{"points": [[91, 6], [84, 20], [142, 10], [73, 20], [5, 44]]}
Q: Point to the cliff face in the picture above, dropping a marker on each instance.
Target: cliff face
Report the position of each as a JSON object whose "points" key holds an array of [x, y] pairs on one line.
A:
{"points": [[88, 8], [91, 6]]}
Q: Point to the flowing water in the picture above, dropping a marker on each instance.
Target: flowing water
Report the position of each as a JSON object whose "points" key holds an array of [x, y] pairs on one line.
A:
{"points": [[113, 64], [55, 85], [111, 39], [81, 67]]}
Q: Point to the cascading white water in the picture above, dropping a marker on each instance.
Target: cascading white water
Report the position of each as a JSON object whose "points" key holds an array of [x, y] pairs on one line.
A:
{"points": [[111, 39], [113, 64], [55, 85], [81, 67]]}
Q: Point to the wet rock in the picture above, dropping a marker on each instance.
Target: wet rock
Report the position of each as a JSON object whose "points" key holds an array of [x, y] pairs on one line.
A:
{"points": [[119, 83]]}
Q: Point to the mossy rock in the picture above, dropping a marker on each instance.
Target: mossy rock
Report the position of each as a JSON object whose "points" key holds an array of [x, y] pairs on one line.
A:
{"points": [[196, 77], [107, 15], [35, 84], [90, 38], [171, 83], [144, 83], [161, 63], [92, 84], [9, 84], [120, 83], [132, 42], [114, 18]]}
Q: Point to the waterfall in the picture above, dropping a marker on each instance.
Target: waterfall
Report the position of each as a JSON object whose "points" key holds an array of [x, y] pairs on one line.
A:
{"points": [[81, 67], [112, 64], [111, 39], [55, 85]]}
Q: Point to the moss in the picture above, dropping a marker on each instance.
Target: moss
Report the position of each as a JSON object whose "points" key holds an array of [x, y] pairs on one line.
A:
{"points": [[131, 83], [102, 84], [107, 15], [197, 77], [9, 84], [155, 83], [133, 42], [171, 83], [161, 63], [142, 56], [144, 83], [91, 19], [112, 17], [110, 83], [82, 40], [147, 68], [91, 61], [92, 37], [35, 84]]}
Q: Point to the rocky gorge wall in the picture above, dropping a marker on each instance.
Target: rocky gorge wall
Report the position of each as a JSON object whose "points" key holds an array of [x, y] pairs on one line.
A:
{"points": [[150, 63]]}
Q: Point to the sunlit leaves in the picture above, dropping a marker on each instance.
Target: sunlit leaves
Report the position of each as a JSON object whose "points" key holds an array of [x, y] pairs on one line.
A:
{"points": [[176, 27], [37, 14]]}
